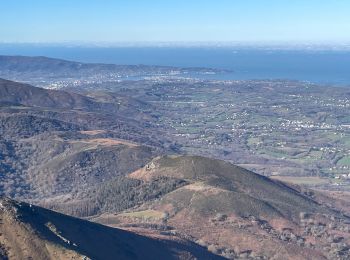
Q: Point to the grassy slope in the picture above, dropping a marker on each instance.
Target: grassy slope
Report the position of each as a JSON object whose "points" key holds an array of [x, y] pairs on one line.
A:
{"points": [[30, 231], [229, 189]]}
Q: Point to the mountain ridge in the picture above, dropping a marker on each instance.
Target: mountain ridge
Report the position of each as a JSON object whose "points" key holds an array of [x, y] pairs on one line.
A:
{"points": [[28, 231]]}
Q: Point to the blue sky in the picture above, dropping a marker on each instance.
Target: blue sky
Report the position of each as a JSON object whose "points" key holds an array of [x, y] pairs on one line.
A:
{"points": [[316, 21]]}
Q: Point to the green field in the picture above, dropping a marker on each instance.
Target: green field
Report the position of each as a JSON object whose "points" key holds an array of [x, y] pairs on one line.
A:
{"points": [[302, 180], [345, 161]]}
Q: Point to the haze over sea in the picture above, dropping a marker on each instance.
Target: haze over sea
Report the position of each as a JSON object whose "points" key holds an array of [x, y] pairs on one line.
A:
{"points": [[326, 67]]}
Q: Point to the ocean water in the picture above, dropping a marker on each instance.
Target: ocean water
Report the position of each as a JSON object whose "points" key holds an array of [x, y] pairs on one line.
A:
{"points": [[322, 67]]}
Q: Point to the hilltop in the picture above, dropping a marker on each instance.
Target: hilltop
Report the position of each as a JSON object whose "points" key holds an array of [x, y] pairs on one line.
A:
{"points": [[228, 188], [237, 213]]}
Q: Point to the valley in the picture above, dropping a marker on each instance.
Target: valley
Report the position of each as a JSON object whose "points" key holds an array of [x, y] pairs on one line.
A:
{"points": [[276, 127], [199, 169]]}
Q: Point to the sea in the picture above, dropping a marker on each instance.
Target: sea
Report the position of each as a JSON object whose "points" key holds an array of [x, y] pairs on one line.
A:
{"points": [[325, 67]]}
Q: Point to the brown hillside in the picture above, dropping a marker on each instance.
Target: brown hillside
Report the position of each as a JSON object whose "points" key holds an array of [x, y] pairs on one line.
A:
{"points": [[30, 232], [237, 213]]}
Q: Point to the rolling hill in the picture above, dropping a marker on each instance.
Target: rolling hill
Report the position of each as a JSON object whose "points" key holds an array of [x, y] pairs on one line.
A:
{"points": [[237, 213], [227, 188], [13, 93], [57, 143]]}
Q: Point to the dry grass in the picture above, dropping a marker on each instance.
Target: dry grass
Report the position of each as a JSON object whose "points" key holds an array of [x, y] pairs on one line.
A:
{"points": [[140, 174], [106, 142], [145, 214], [93, 132], [204, 188]]}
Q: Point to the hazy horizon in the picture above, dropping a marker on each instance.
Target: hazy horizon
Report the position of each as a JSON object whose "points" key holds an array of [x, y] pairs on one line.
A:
{"points": [[280, 45]]}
